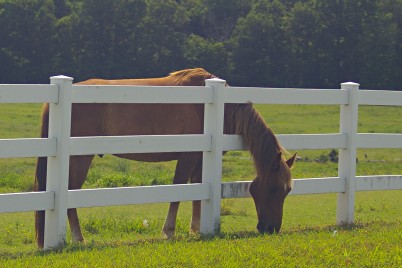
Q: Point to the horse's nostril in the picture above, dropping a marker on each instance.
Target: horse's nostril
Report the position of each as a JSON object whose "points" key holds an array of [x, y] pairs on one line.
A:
{"points": [[263, 228], [270, 229]]}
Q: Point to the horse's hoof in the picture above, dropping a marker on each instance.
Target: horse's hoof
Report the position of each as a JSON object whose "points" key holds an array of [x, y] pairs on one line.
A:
{"points": [[168, 234], [80, 241], [195, 229]]}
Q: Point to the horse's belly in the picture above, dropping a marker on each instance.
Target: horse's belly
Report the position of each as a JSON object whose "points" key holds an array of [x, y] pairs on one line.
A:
{"points": [[152, 119]]}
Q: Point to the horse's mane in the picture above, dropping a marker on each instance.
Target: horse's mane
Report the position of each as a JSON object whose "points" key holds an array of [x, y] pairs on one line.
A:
{"points": [[244, 120], [184, 77], [241, 119]]}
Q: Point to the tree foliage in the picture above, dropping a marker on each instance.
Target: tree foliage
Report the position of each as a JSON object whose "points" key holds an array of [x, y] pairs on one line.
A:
{"points": [[298, 43]]}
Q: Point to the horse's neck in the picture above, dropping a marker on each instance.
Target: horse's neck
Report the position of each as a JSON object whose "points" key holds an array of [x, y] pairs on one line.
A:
{"points": [[244, 120]]}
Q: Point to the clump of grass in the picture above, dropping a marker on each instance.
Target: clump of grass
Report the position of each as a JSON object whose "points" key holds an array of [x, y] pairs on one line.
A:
{"points": [[17, 234], [124, 180], [122, 165], [12, 182], [114, 180], [229, 209], [110, 224]]}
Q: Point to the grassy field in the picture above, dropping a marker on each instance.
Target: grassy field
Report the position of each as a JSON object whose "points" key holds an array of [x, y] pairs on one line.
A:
{"points": [[130, 235]]}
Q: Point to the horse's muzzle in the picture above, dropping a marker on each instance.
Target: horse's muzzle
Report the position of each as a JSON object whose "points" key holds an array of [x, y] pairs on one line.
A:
{"points": [[266, 228]]}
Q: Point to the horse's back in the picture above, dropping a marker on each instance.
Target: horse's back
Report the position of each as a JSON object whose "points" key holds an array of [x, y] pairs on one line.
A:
{"points": [[162, 81]]}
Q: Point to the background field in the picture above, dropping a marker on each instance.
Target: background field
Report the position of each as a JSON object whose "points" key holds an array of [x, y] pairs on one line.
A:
{"points": [[130, 235]]}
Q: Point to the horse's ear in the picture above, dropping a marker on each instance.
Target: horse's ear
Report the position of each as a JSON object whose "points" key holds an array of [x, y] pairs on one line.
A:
{"points": [[276, 162], [291, 160]]}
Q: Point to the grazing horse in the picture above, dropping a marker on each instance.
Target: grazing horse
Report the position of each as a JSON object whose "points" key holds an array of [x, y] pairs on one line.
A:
{"points": [[269, 189]]}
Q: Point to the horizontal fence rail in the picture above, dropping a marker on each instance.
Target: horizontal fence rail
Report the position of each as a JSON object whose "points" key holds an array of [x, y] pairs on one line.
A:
{"points": [[137, 195], [294, 141], [285, 96], [141, 94], [29, 93], [34, 147], [240, 189], [62, 93], [18, 202], [379, 140], [140, 144], [380, 97]]}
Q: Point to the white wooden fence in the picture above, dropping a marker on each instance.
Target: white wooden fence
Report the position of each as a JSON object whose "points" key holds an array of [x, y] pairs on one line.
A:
{"points": [[60, 93]]}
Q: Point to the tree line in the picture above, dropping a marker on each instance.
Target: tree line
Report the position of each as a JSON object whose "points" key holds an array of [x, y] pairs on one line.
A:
{"points": [[288, 43]]}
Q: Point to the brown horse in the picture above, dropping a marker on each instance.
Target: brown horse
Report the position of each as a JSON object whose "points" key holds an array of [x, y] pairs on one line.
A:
{"points": [[269, 189]]}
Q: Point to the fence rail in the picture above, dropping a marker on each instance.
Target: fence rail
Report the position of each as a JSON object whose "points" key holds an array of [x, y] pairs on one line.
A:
{"points": [[59, 146]]}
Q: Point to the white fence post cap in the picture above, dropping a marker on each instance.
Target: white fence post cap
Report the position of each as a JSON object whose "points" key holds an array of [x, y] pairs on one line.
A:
{"points": [[62, 77], [215, 80], [350, 84]]}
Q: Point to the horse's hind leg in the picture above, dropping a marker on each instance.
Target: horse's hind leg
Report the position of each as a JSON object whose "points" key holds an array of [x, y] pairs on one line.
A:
{"points": [[79, 166], [184, 168]]}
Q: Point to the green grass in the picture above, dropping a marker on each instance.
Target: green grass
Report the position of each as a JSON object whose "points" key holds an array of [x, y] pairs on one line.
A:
{"points": [[19, 120], [305, 249], [117, 236]]}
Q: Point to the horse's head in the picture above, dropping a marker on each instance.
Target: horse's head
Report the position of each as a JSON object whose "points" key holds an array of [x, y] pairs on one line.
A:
{"points": [[269, 192]]}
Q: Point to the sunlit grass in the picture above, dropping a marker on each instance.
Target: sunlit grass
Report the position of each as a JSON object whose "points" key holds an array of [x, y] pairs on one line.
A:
{"points": [[359, 245]]}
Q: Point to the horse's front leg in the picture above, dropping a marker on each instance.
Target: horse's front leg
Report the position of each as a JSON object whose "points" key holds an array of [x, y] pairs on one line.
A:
{"points": [[79, 166], [196, 177], [170, 222], [75, 228], [184, 168]]}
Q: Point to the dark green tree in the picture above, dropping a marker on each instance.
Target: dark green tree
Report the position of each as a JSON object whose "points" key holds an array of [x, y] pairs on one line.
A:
{"points": [[339, 39], [298, 43], [261, 51], [94, 37], [129, 15], [213, 56], [302, 33], [26, 40], [381, 47], [101, 41], [62, 8], [162, 38]]}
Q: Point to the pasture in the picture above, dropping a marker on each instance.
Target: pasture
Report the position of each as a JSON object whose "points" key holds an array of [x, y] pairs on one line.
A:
{"points": [[131, 235]]}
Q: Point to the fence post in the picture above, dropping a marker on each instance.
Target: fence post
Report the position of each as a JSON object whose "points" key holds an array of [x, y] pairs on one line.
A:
{"points": [[347, 156], [58, 166], [212, 160]]}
